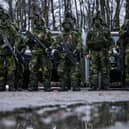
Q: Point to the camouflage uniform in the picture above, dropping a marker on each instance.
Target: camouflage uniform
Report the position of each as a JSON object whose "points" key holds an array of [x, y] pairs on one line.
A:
{"points": [[69, 74], [124, 47], [8, 64], [40, 64], [98, 42]]}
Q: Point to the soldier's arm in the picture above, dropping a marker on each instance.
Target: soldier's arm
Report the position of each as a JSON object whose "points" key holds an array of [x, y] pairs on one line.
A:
{"points": [[56, 43], [19, 41], [122, 31], [87, 41], [78, 39]]}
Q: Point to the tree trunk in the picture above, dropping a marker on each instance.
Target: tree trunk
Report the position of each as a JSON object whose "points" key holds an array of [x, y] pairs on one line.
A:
{"points": [[77, 13], [10, 2], [53, 15], [116, 17], [97, 5], [108, 14], [127, 9], [59, 14], [102, 6]]}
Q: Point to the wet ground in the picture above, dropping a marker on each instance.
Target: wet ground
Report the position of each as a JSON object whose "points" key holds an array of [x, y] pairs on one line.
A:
{"points": [[64, 110]]}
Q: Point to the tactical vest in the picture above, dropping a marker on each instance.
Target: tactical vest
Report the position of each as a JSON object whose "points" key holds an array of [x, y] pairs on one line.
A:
{"points": [[96, 40]]}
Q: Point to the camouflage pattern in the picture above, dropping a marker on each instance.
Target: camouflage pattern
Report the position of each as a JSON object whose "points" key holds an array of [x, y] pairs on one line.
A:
{"points": [[123, 42], [40, 65], [123, 31], [8, 64], [98, 43], [99, 36], [69, 74]]}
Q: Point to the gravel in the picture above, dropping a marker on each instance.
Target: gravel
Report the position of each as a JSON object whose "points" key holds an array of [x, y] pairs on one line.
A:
{"points": [[14, 100]]}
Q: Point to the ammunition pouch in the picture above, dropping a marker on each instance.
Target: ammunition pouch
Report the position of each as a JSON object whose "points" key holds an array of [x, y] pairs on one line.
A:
{"points": [[96, 45]]}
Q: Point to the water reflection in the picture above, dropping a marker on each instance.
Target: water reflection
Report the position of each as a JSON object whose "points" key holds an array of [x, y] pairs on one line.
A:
{"points": [[89, 116]]}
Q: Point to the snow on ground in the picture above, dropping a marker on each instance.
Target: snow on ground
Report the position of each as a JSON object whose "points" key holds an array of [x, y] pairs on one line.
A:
{"points": [[11, 100]]}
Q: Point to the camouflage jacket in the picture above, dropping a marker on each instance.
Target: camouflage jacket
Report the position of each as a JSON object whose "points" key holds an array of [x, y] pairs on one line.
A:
{"points": [[99, 38], [73, 38], [12, 35]]}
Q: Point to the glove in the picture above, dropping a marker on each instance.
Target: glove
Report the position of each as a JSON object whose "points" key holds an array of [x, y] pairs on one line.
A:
{"points": [[48, 50]]}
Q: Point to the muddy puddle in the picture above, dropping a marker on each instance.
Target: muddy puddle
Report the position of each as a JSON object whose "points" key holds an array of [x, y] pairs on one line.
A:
{"points": [[87, 116]]}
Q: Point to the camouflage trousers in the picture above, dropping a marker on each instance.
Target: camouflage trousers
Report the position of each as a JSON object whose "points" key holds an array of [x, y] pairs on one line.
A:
{"points": [[40, 70], [7, 70], [99, 63], [69, 74]]}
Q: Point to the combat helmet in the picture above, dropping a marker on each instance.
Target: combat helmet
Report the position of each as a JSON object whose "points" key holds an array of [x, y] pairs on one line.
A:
{"points": [[6, 16], [1, 10], [69, 21], [38, 16], [97, 17]]}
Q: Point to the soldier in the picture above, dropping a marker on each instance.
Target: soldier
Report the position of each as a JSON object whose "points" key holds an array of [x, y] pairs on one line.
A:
{"points": [[68, 72], [123, 43], [40, 63], [98, 42], [8, 63]]}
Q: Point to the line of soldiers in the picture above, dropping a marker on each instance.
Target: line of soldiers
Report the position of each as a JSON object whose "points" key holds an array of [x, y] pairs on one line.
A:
{"points": [[99, 42], [109, 62], [30, 59]]}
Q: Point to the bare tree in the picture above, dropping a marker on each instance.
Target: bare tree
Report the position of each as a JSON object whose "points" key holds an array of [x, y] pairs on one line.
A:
{"points": [[116, 17], [53, 15], [102, 6], [53, 12], [127, 9]]}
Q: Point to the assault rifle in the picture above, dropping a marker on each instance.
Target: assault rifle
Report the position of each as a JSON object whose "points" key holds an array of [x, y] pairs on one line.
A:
{"points": [[8, 45], [51, 54], [41, 44], [14, 51], [75, 60], [36, 40]]}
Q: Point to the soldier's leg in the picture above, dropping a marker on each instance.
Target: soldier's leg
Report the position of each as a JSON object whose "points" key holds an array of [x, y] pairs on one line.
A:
{"points": [[46, 74], [11, 72], [93, 71], [3, 73], [19, 77], [100, 74], [33, 78], [76, 78], [26, 75], [65, 74]]}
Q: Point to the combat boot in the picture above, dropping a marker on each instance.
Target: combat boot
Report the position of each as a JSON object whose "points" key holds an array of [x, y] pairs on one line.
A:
{"points": [[64, 86], [2, 86], [33, 86], [20, 85], [11, 86], [47, 85], [76, 86]]}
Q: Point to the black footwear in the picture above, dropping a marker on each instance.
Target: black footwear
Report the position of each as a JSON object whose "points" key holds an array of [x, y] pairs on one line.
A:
{"points": [[76, 86], [20, 89], [76, 89], [2, 89], [48, 89], [12, 89], [32, 89], [63, 89], [47, 86]]}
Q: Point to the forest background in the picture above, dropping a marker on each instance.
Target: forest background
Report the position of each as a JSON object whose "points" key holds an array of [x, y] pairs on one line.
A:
{"points": [[114, 12]]}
